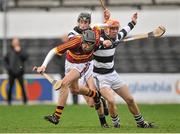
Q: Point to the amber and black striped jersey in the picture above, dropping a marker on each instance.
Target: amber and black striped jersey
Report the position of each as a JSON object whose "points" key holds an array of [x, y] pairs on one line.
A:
{"points": [[73, 49]]}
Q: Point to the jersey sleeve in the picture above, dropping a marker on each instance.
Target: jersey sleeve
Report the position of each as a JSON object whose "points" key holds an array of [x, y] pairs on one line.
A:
{"points": [[122, 33], [71, 34], [73, 43]]}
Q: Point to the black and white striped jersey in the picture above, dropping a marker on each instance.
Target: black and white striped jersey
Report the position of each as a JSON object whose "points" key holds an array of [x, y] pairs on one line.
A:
{"points": [[76, 31], [104, 57]]}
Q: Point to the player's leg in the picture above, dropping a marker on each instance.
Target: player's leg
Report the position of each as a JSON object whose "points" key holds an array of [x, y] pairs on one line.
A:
{"points": [[105, 106], [70, 79], [98, 106], [133, 108], [76, 89], [91, 84], [73, 73], [107, 93], [55, 117], [104, 82], [89, 101], [100, 111], [78, 70], [84, 81], [88, 80], [83, 90]]}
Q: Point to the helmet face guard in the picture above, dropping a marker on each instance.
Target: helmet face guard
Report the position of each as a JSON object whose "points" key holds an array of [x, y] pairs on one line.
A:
{"points": [[89, 40], [112, 24], [85, 17]]}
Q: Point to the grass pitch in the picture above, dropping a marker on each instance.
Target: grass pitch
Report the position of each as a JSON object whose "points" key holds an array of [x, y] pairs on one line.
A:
{"points": [[82, 119]]}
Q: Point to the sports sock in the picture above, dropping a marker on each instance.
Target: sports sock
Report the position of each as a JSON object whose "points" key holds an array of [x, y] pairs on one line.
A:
{"points": [[58, 111], [91, 93], [96, 97], [102, 119], [139, 119], [115, 120]]}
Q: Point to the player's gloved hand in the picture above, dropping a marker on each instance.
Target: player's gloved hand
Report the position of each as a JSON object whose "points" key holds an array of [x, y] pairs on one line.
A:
{"points": [[106, 14], [134, 17], [107, 43], [39, 69]]}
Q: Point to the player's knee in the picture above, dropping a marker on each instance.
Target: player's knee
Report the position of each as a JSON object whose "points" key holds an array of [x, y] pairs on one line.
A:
{"points": [[74, 91], [90, 103], [130, 101], [64, 83], [111, 101]]}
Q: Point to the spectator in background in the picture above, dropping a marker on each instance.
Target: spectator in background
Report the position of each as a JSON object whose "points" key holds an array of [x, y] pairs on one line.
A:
{"points": [[1, 5], [14, 63]]}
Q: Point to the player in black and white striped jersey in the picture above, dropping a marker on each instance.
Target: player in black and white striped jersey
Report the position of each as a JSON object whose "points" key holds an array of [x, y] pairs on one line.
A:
{"points": [[104, 56], [107, 79]]}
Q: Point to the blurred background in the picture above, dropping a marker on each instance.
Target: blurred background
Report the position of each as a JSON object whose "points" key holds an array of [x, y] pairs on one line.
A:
{"points": [[150, 66]]}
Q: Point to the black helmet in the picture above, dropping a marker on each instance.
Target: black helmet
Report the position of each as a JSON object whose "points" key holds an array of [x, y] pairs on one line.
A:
{"points": [[88, 37], [84, 16]]}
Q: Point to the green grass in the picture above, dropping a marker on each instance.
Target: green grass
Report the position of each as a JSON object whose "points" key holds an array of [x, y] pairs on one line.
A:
{"points": [[82, 119]]}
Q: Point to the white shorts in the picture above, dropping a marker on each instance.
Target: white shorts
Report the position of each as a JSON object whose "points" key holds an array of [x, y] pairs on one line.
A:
{"points": [[110, 80], [87, 75], [85, 69]]}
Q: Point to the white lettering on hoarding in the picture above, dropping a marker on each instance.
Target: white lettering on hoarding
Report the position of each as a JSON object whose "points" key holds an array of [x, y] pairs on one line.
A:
{"points": [[150, 87]]}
